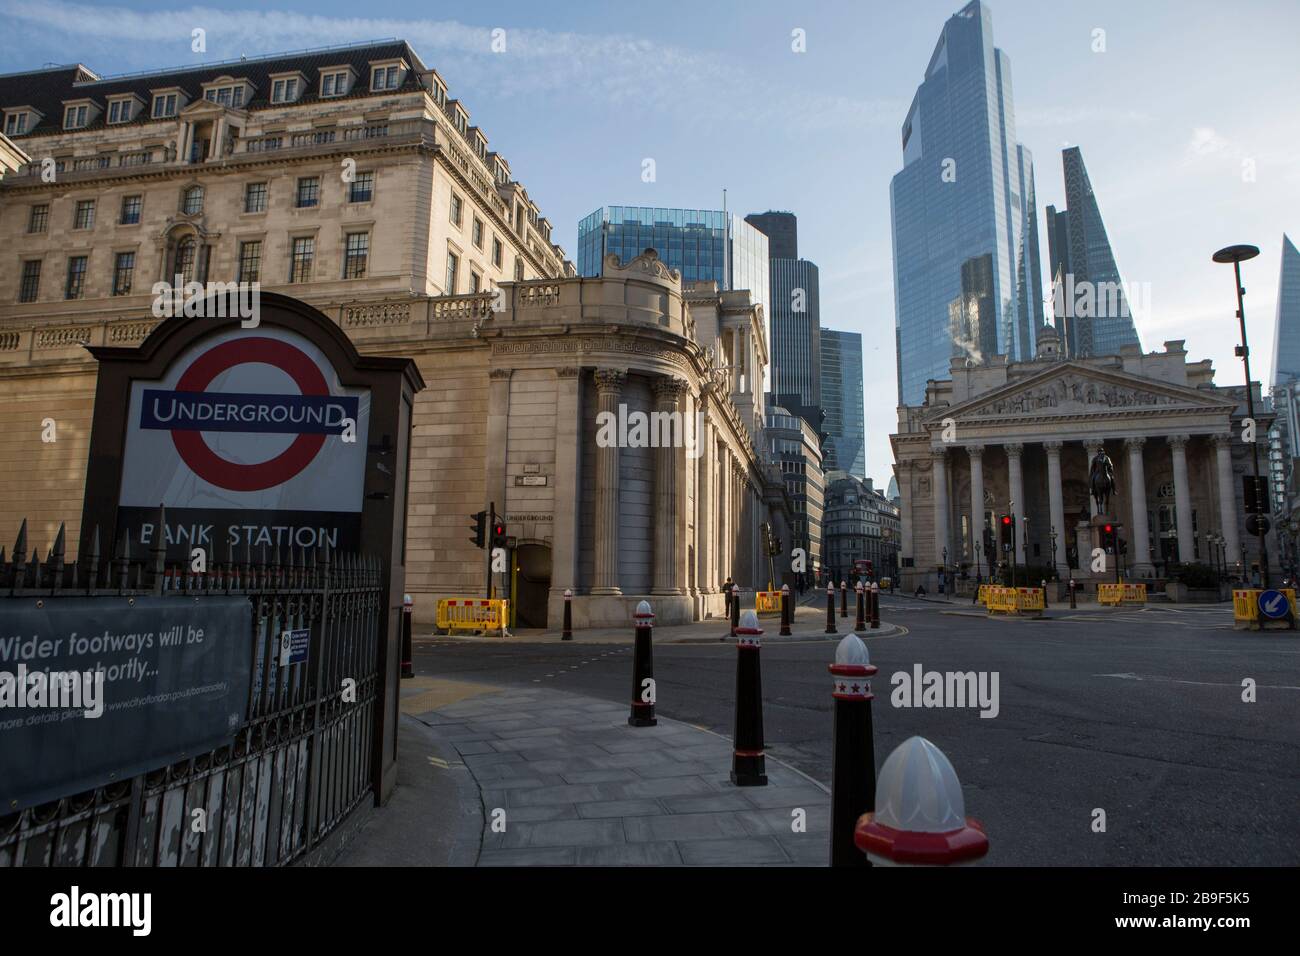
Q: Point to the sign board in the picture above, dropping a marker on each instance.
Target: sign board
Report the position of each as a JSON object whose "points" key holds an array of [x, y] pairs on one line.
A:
{"points": [[94, 690], [251, 441], [293, 646], [530, 481], [1273, 605]]}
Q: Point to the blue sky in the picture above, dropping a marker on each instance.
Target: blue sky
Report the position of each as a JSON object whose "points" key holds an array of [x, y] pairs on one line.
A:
{"points": [[1185, 94]]}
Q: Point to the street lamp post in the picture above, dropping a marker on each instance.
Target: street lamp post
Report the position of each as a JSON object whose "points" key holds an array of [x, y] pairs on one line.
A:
{"points": [[1053, 536], [1237, 255]]}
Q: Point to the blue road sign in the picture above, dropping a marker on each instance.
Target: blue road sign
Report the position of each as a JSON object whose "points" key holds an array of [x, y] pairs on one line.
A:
{"points": [[293, 646], [1273, 604]]}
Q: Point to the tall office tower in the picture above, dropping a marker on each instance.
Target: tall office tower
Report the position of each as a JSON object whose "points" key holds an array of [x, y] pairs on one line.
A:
{"points": [[703, 244], [1286, 334], [794, 319], [782, 231], [967, 277], [845, 448], [1090, 304]]}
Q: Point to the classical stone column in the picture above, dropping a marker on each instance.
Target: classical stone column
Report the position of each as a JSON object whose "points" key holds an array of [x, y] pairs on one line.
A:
{"points": [[723, 469], [1227, 498], [903, 471], [706, 574], [568, 456], [1057, 507], [498, 419], [667, 506], [609, 388], [1140, 538], [1016, 480], [976, 453], [939, 478], [1182, 499]]}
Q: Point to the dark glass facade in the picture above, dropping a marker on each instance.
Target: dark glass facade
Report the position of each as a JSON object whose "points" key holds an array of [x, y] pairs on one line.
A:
{"points": [[967, 275], [1090, 305], [842, 398], [1286, 336], [703, 244]]}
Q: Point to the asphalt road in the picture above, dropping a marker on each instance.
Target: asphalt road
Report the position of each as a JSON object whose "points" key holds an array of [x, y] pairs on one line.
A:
{"points": [[1137, 712]]}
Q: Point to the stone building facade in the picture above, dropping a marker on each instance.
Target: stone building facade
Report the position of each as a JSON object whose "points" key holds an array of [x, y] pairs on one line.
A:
{"points": [[861, 525], [1018, 438]]}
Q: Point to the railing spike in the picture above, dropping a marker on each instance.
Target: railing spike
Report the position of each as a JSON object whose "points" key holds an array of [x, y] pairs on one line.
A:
{"points": [[36, 567], [20, 552], [92, 572]]}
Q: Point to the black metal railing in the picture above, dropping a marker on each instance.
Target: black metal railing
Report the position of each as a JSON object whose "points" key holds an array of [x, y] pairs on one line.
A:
{"points": [[295, 767]]}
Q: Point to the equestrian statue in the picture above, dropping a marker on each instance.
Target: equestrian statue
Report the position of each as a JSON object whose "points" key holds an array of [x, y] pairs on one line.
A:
{"points": [[1101, 481]]}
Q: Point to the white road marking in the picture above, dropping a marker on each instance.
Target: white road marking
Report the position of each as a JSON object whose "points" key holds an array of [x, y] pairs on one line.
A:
{"points": [[1200, 683]]}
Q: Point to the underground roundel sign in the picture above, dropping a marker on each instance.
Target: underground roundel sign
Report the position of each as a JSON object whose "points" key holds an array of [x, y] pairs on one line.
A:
{"points": [[247, 419]]}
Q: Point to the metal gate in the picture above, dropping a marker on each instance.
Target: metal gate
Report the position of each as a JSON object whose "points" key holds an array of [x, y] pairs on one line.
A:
{"points": [[299, 763]]}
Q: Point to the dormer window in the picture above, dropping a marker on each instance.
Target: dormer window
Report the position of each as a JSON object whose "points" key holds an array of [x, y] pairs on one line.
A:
{"points": [[284, 91], [164, 105], [74, 117], [335, 83], [16, 123], [384, 77], [120, 111]]}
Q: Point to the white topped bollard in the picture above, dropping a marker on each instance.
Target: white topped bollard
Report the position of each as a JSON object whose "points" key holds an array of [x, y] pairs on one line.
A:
{"points": [[853, 748], [920, 813], [643, 669], [748, 763]]}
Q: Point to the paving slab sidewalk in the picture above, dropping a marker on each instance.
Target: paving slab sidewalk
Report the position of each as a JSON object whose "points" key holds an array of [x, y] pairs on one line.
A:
{"points": [[563, 780]]}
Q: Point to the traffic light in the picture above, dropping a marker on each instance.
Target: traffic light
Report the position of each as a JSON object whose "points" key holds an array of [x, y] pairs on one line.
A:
{"points": [[1008, 532], [499, 534], [479, 527], [1108, 538]]}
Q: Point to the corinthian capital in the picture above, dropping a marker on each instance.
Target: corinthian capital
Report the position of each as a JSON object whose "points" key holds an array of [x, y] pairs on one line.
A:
{"points": [[609, 381]]}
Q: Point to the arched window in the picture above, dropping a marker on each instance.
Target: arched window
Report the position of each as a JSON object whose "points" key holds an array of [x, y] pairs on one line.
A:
{"points": [[186, 258], [192, 201]]}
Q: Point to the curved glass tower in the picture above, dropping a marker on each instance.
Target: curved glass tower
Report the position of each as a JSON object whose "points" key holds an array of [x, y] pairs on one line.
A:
{"points": [[967, 277]]}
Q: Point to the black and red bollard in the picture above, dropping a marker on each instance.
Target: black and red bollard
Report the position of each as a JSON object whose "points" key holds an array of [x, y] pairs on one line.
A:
{"points": [[748, 764], [862, 609], [643, 669], [1073, 606], [408, 609], [568, 615], [875, 605], [919, 817], [853, 767], [785, 610], [844, 598], [830, 608]]}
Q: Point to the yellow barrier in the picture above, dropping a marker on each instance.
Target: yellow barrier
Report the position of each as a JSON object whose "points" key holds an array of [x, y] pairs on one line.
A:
{"points": [[473, 614], [982, 595], [1111, 593], [1030, 599], [1134, 594], [1245, 606], [767, 602], [1002, 599]]}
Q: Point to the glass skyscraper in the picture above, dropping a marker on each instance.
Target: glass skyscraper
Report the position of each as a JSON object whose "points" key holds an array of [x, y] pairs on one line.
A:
{"points": [[1090, 304], [795, 332], [845, 448], [1286, 335], [703, 244], [967, 276]]}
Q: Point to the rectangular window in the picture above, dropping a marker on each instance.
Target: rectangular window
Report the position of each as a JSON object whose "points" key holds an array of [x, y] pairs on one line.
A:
{"points": [[119, 111], [40, 217], [223, 95], [85, 215], [334, 84], [76, 285], [131, 207], [237, 97], [255, 197], [478, 232], [453, 266], [519, 268], [496, 252], [362, 188], [164, 106], [475, 281], [15, 124], [308, 191], [304, 250], [384, 78], [210, 96], [31, 284], [74, 117], [123, 270], [456, 209], [355, 255], [250, 261]]}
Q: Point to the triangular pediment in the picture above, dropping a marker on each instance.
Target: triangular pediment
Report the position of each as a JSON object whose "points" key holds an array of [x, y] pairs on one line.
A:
{"points": [[1073, 389]]}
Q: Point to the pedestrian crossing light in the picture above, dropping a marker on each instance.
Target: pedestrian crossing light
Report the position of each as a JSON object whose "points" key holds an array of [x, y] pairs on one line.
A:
{"points": [[479, 527], [499, 534]]}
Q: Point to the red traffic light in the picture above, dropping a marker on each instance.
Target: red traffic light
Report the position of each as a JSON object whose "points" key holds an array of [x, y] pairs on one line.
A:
{"points": [[1108, 528], [499, 529], [1006, 519]]}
